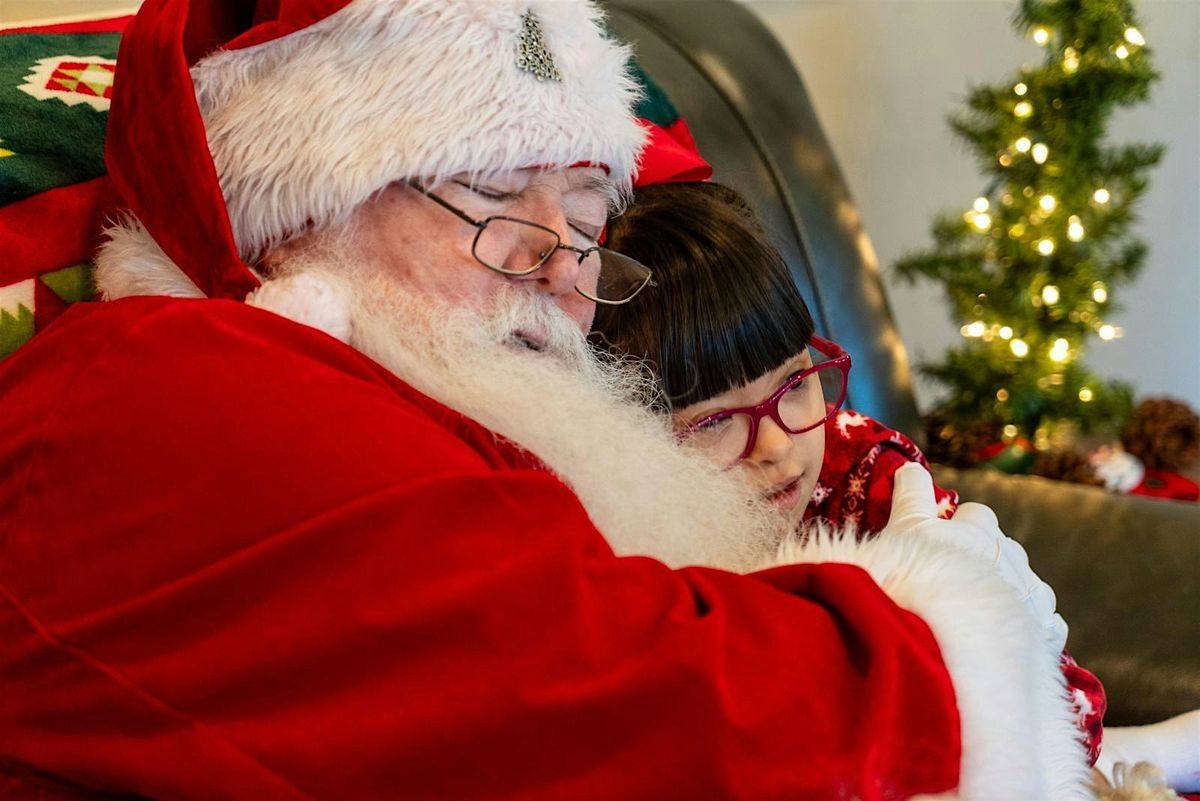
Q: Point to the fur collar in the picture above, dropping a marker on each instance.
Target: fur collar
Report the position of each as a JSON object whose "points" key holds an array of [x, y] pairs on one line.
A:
{"points": [[130, 263]]}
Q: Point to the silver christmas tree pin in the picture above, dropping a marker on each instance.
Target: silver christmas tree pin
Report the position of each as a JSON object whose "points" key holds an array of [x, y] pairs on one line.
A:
{"points": [[532, 53]]}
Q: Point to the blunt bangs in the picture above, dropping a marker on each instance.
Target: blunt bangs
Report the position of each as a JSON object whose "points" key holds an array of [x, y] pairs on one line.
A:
{"points": [[725, 310]]}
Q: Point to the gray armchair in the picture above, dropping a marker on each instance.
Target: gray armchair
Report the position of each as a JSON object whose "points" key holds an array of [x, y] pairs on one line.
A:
{"points": [[1127, 570]]}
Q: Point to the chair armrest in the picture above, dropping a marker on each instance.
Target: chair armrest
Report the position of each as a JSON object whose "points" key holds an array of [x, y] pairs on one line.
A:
{"points": [[1126, 570]]}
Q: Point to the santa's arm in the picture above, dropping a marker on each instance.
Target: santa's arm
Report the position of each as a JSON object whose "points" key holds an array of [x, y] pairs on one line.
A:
{"points": [[471, 635], [375, 612]]}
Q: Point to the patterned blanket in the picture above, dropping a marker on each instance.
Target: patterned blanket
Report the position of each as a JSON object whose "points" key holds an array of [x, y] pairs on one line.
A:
{"points": [[55, 89]]}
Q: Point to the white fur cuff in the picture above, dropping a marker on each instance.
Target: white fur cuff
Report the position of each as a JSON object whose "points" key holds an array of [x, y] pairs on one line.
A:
{"points": [[1020, 739]]}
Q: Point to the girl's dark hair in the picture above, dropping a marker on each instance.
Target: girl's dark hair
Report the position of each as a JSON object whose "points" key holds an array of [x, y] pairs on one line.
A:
{"points": [[725, 310]]}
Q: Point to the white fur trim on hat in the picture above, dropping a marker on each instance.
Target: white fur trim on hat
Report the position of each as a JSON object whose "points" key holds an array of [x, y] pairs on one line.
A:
{"points": [[306, 127], [1019, 734]]}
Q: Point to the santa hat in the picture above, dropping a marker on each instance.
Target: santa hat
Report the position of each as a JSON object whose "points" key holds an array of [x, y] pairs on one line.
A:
{"points": [[308, 107]]}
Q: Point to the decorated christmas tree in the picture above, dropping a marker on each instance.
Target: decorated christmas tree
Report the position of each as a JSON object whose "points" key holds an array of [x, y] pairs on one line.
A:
{"points": [[1032, 268]]}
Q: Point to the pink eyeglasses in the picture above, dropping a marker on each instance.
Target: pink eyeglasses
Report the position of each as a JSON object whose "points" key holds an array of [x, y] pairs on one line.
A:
{"points": [[803, 402]]}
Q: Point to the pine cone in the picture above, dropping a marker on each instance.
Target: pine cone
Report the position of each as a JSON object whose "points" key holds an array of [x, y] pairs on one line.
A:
{"points": [[1163, 433], [951, 445], [1066, 465]]}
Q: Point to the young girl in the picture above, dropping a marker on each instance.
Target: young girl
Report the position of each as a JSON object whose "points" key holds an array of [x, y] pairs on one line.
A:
{"points": [[725, 332], [745, 378]]}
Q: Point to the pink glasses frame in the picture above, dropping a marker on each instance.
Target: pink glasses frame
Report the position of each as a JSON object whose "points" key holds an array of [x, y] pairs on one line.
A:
{"points": [[839, 359]]}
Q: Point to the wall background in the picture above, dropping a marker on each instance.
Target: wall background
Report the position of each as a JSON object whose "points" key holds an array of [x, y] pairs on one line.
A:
{"points": [[884, 74], [23, 11]]}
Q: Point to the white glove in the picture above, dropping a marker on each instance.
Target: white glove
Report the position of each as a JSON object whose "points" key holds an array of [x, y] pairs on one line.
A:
{"points": [[1173, 745], [975, 529]]}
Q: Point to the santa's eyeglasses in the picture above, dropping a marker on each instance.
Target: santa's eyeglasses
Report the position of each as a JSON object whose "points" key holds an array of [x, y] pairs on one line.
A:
{"points": [[804, 401], [513, 246]]}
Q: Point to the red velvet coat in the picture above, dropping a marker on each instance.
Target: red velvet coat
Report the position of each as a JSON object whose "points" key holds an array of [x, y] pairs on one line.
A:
{"points": [[239, 560]]}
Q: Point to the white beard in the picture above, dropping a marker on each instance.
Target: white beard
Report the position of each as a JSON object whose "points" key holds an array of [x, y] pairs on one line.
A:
{"points": [[585, 418]]}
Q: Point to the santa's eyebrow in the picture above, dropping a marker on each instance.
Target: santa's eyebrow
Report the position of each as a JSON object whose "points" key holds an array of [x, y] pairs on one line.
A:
{"points": [[614, 198]]}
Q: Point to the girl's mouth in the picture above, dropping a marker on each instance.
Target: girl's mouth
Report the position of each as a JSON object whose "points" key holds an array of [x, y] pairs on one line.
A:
{"points": [[786, 496]]}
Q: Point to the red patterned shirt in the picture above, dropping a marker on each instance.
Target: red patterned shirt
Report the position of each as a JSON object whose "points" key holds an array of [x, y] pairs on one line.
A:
{"points": [[855, 486]]}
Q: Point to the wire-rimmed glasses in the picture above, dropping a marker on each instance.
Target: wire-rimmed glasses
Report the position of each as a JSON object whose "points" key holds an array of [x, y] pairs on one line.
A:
{"points": [[804, 401], [501, 239]]}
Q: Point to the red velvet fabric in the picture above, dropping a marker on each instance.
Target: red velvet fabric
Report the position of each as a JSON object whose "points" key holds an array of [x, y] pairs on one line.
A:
{"points": [[75, 215], [240, 560], [170, 182], [274, 19]]}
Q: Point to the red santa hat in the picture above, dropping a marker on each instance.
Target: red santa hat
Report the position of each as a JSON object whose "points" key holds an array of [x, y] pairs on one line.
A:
{"points": [[235, 127]]}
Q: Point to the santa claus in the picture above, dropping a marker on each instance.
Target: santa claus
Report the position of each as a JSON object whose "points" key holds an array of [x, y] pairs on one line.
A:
{"points": [[329, 499]]}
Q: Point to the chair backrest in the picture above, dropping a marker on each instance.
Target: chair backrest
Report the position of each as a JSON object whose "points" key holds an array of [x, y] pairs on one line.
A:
{"points": [[752, 119]]}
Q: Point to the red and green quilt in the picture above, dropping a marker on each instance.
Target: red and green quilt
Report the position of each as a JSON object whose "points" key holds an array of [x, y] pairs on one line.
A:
{"points": [[55, 89]]}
